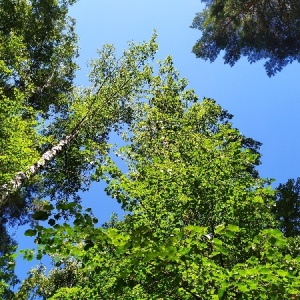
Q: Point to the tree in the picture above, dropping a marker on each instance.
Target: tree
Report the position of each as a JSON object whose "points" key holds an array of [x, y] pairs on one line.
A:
{"points": [[67, 166], [199, 223], [37, 52], [66, 128], [254, 29], [199, 216], [93, 112]]}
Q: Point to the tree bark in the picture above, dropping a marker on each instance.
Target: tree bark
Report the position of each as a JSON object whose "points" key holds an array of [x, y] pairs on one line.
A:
{"points": [[22, 177]]}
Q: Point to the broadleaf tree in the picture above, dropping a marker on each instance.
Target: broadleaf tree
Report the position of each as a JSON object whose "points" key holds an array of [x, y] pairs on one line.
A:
{"points": [[66, 128], [259, 30], [199, 221], [37, 52], [80, 136]]}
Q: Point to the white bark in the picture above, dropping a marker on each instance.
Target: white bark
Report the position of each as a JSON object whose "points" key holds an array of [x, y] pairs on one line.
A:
{"points": [[22, 177]]}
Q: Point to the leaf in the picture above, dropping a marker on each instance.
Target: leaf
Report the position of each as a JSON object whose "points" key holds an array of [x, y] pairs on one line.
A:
{"points": [[51, 222], [28, 254], [71, 205], [214, 253], [48, 207], [229, 234], [242, 287], [282, 273], [88, 244], [233, 228], [222, 290], [224, 251], [219, 228], [265, 271], [40, 215], [57, 216], [217, 242], [30, 232], [39, 255], [78, 221]]}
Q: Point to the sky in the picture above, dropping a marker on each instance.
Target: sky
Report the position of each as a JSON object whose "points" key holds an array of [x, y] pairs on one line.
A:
{"points": [[265, 109]]}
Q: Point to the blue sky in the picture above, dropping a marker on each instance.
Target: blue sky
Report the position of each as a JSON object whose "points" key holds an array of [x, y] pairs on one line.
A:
{"points": [[266, 109]]}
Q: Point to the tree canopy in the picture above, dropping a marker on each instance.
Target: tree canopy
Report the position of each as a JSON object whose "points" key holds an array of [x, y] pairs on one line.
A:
{"points": [[199, 221], [259, 30], [66, 128], [37, 52], [287, 208]]}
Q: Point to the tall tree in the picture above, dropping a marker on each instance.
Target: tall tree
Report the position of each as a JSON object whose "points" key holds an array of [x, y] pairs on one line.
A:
{"points": [[200, 224], [37, 52], [255, 29], [66, 128], [79, 136]]}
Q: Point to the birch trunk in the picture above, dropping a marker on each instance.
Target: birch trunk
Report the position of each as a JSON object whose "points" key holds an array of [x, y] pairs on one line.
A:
{"points": [[22, 177]]}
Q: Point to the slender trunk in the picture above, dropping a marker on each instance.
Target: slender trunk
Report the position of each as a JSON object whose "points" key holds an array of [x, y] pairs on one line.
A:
{"points": [[22, 177]]}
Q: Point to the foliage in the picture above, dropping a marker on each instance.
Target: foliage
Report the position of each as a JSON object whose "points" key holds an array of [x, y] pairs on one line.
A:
{"points": [[39, 102], [267, 30], [287, 208], [199, 223], [38, 284], [7, 263], [37, 51], [93, 113]]}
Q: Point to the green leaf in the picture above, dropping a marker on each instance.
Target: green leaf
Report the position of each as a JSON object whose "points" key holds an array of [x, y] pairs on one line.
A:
{"points": [[51, 222], [219, 228], [222, 290], [233, 228], [242, 287], [30, 232], [88, 244], [217, 242], [265, 270], [282, 273], [39, 255], [40, 215], [48, 207], [214, 253], [229, 234]]}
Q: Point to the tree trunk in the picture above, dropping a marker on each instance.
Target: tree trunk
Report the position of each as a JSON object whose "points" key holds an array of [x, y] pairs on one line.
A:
{"points": [[22, 177]]}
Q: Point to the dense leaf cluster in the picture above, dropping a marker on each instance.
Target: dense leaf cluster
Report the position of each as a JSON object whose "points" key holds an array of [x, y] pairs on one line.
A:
{"points": [[287, 207], [268, 30]]}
